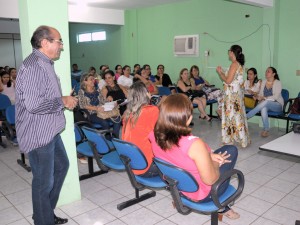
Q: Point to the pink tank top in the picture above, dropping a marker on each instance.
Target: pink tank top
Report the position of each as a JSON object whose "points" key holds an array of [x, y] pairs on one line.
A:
{"points": [[179, 157]]}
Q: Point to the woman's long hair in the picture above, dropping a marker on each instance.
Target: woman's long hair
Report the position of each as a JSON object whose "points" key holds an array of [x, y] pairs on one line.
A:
{"points": [[255, 73], [83, 78], [137, 98], [9, 83], [276, 76], [174, 112], [238, 52]]}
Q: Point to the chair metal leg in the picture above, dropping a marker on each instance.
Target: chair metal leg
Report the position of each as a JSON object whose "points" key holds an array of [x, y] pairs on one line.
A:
{"points": [[214, 218], [22, 163], [91, 171], [136, 200]]}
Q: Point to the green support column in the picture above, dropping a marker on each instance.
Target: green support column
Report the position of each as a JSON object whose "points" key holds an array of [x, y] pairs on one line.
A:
{"points": [[54, 13]]}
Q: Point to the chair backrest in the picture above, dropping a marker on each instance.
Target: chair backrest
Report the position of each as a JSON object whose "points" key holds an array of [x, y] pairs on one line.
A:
{"points": [[285, 95], [103, 145], [137, 158], [164, 91], [79, 136], [4, 102], [10, 114], [185, 181]]}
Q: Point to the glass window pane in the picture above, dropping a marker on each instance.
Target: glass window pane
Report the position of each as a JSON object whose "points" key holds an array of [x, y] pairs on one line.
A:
{"points": [[99, 36], [84, 37]]}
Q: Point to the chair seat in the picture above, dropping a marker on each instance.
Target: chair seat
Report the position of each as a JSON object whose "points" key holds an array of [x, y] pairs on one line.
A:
{"points": [[294, 116], [208, 206], [153, 182], [113, 161], [271, 113], [85, 149], [211, 101]]}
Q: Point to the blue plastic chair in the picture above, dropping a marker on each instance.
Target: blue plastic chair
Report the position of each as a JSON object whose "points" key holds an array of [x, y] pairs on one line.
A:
{"points": [[180, 180], [4, 103], [102, 150], [164, 91], [285, 96], [134, 159]]}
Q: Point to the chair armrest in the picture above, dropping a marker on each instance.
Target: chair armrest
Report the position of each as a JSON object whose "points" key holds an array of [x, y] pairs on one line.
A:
{"points": [[84, 123], [221, 180]]}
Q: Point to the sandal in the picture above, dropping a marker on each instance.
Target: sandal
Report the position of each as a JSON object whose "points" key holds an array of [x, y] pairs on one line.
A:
{"points": [[58, 220], [229, 213]]}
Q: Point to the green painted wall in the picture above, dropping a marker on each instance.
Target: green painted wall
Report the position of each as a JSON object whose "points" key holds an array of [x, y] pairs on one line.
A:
{"points": [[288, 45], [150, 32], [95, 53]]}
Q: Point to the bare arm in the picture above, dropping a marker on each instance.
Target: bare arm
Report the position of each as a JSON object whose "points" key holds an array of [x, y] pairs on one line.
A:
{"points": [[207, 168], [230, 75]]}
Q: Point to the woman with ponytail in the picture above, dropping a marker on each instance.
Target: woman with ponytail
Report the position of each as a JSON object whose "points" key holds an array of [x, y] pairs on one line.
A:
{"points": [[234, 121]]}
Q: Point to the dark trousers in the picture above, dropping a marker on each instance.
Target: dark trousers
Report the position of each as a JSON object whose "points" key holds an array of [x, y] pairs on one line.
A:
{"points": [[49, 166], [105, 123], [232, 150]]}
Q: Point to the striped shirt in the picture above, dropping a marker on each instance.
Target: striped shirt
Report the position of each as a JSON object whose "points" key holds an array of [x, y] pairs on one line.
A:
{"points": [[39, 107]]}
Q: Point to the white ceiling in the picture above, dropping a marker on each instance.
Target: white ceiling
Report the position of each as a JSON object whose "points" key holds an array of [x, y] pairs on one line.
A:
{"points": [[121, 4]]}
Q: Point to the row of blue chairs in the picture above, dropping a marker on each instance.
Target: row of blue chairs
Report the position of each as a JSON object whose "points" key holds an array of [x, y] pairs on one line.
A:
{"points": [[119, 155], [284, 114], [166, 91]]}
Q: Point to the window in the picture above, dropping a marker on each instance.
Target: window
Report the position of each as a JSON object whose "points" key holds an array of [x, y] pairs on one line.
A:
{"points": [[94, 36]]}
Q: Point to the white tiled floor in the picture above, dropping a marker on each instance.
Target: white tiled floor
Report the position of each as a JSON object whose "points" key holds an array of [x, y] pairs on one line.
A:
{"points": [[271, 195]]}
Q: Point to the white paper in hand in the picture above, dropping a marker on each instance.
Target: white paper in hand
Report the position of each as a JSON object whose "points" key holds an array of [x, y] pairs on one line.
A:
{"points": [[108, 106]]}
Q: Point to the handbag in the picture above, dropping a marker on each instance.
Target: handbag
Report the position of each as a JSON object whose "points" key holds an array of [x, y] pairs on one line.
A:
{"points": [[111, 110], [250, 102]]}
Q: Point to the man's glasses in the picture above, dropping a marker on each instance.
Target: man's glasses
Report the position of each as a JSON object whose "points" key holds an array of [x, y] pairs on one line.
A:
{"points": [[60, 41]]}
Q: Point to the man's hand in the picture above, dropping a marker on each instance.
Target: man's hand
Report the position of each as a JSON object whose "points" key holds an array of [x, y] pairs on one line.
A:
{"points": [[70, 102]]}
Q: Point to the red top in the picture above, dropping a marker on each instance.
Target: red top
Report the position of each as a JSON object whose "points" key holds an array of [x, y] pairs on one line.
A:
{"points": [[179, 157], [138, 134]]}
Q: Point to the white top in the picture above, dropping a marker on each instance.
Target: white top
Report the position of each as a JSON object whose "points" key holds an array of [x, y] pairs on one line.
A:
{"points": [[255, 88], [101, 84], [10, 92], [125, 81], [276, 90]]}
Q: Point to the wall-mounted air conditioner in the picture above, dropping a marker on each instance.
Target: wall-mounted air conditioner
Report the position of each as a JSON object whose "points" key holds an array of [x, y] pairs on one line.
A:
{"points": [[186, 45], [259, 3]]}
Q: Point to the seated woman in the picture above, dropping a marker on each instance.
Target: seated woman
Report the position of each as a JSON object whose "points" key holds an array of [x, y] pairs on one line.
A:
{"points": [[252, 84], [118, 73], [13, 74], [138, 121], [91, 100], [163, 79], [173, 142], [126, 79], [200, 84], [7, 87], [144, 77], [187, 87], [112, 91], [269, 98]]}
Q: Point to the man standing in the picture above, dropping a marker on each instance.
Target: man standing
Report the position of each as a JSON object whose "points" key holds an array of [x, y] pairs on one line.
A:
{"points": [[39, 121]]}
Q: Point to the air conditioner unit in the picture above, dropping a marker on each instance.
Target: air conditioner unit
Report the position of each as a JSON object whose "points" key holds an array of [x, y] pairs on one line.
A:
{"points": [[187, 45], [259, 3]]}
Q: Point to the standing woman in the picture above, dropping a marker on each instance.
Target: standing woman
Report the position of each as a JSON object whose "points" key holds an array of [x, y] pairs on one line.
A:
{"points": [[270, 99], [234, 122], [187, 87]]}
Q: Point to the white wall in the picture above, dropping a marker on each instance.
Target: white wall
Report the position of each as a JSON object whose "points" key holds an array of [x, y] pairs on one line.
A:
{"points": [[11, 51], [77, 13]]}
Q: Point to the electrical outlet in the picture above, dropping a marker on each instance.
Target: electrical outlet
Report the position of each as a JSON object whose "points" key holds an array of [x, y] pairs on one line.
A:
{"points": [[297, 72]]}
